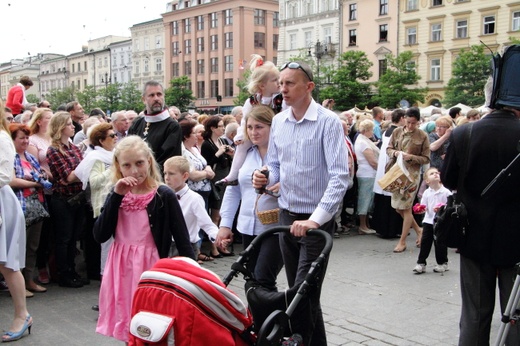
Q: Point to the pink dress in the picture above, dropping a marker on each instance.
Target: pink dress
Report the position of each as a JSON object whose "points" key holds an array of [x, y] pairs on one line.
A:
{"points": [[132, 253]]}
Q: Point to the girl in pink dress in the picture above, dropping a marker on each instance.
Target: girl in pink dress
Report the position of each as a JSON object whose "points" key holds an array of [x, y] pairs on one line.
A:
{"points": [[142, 215]]}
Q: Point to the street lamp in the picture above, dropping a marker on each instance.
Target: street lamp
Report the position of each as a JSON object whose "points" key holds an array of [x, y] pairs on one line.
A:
{"points": [[319, 51], [107, 80]]}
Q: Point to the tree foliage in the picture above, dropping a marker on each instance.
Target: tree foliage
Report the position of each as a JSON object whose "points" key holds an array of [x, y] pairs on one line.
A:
{"points": [[179, 94], [243, 93], [31, 98], [88, 98], [397, 83], [131, 97], [469, 75], [349, 87], [58, 97]]}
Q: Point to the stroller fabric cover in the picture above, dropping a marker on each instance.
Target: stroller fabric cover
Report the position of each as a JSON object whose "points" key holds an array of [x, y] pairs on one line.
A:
{"points": [[179, 303]]}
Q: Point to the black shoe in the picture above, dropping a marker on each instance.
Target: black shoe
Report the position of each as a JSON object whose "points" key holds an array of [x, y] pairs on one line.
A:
{"points": [[70, 282], [95, 307], [84, 281]]}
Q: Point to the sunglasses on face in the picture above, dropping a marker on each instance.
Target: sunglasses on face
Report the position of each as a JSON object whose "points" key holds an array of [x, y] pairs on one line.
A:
{"points": [[112, 135], [295, 66]]}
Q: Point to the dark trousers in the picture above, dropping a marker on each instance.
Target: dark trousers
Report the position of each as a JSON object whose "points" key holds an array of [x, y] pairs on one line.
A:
{"points": [[91, 248], [68, 222], [298, 254], [441, 251], [478, 290], [266, 263], [44, 246]]}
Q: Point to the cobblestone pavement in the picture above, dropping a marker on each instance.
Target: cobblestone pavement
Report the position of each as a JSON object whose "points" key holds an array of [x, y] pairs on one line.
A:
{"points": [[370, 297]]}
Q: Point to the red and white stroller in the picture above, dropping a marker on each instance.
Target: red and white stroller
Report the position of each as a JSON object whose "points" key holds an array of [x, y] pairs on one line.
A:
{"points": [[179, 303]]}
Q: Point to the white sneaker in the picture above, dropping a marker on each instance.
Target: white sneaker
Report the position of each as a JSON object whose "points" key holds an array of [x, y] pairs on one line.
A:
{"points": [[441, 268], [419, 269]]}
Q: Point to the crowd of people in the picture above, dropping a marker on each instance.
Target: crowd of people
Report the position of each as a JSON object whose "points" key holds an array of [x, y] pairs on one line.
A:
{"points": [[133, 188]]}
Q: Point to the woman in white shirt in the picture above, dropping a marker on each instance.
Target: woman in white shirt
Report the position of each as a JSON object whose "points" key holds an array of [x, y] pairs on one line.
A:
{"points": [[267, 263], [367, 154]]}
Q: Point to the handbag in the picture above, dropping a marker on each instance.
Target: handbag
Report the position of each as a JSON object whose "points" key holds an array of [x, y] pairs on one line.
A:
{"points": [[266, 217], [34, 210], [77, 199], [397, 178], [451, 223]]}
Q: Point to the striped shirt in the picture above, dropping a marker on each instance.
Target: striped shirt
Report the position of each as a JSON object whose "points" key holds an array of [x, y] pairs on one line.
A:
{"points": [[309, 159]]}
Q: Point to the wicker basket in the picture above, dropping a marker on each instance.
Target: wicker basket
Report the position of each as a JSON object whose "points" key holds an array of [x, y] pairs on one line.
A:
{"points": [[267, 217]]}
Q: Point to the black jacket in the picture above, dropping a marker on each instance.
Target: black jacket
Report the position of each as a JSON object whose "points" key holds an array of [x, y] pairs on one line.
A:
{"points": [[493, 236], [165, 217]]}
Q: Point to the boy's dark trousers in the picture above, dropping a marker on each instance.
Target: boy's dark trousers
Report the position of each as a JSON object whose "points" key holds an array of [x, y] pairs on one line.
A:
{"points": [[441, 250]]}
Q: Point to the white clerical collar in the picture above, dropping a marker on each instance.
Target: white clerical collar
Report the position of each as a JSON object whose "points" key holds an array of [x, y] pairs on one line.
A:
{"points": [[158, 117]]}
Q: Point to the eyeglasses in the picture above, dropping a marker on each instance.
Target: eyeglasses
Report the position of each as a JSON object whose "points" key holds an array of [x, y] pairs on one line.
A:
{"points": [[294, 66], [112, 135]]}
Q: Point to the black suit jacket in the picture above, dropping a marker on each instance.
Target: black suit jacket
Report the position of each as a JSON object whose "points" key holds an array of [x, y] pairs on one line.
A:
{"points": [[493, 236]]}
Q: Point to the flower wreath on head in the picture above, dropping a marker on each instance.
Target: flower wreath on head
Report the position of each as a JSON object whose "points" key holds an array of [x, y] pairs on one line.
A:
{"points": [[260, 62]]}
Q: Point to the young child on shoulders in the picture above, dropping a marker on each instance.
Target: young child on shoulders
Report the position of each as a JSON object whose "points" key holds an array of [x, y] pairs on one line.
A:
{"points": [[176, 172], [265, 89], [434, 196], [143, 215]]}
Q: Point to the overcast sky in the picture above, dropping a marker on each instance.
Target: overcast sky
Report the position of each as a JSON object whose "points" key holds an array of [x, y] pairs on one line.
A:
{"points": [[63, 26]]}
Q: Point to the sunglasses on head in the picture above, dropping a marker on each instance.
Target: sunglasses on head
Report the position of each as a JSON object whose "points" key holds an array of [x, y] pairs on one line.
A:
{"points": [[294, 66]]}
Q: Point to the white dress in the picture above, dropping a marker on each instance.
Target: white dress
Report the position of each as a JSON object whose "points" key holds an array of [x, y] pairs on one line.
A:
{"points": [[12, 228]]}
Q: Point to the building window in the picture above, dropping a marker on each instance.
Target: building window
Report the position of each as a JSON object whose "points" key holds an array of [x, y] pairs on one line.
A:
{"points": [[158, 43], [259, 40], [411, 5], [435, 69], [308, 38], [276, 38], [175, 69], [276, 19], [228, 17], [214, 19], [515, 25], [175, 28], [175, 48], [436, 2], [228, 63], [146, 43], [410, 65], [187, 46], [200, 23], [383, 66], [462, 28], [383, 33], [352, 37], [158, 64], [307, 8], [228, 40], [214, 42], [411, 36], [292, 41], [200, 44], [137, 68], [187, 25], [352, 12], [200, 89], [187, 68], [436, 32], [228, 86], [146, 66], [200, 66], [489, 25], [259, 17], [327, 34], [383, 7], [214, 88], [214, 65]]}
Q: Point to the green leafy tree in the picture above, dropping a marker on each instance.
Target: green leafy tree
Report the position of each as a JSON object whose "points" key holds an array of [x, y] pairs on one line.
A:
{"points": [[243, 93], [58, 97], [349, 87], [397, 83], [109, 98], [469, 75], [32, 98], [88, 98], [178, 94], [131, 97]]}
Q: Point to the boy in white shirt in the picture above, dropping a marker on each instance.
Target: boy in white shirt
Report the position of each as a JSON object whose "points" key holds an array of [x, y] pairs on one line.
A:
{"points": [[434, 195], [176, 172]]}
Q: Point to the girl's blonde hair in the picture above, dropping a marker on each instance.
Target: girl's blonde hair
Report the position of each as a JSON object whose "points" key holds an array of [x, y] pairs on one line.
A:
{"points": [[261, 113], [38, 114], [136, 145], [260, 71], [57, 124]]}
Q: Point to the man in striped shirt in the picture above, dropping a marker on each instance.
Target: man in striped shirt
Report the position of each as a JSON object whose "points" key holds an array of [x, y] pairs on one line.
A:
{"points": [[307, 154]]}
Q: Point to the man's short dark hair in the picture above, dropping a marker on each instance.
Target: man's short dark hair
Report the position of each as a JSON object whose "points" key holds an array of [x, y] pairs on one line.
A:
{"points": [[397, 115], [454, 111], [413, 112]]}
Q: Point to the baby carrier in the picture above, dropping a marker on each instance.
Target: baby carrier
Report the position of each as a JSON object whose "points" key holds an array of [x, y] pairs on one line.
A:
{"points": [[179, 303]]}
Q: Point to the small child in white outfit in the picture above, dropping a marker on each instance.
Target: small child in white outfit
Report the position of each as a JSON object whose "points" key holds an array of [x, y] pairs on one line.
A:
{"points": [[176, 172]]}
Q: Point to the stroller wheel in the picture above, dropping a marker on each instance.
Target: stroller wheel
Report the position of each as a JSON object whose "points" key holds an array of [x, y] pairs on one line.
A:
{"points": [[272, 330]]}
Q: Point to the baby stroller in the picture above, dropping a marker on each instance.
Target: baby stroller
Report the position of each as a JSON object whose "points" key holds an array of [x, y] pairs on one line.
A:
{"points": [[179, 303]]}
